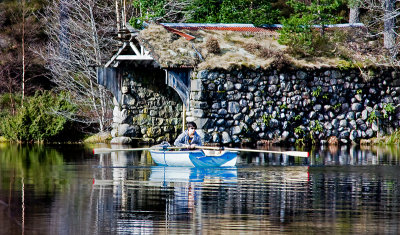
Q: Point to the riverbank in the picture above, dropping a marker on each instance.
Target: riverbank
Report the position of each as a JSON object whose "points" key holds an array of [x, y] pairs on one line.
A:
{"points": [[103, 137], [393, 139]]}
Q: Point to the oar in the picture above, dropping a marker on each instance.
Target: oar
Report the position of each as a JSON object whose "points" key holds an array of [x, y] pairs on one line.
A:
{"points": [[108, 150], [289, 153]]}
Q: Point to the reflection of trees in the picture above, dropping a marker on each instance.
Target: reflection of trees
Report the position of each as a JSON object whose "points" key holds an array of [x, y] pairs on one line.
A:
{"points": [[262, 198], [41, 167], [29, 177], [356, 155], [126, 199]]}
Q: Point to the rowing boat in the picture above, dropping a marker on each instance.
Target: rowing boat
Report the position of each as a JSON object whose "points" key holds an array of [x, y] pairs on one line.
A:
{"points": [[194, 158], [202, 156]]}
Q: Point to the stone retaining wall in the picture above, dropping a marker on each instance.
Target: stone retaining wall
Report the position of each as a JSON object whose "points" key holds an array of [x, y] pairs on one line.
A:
{"points": [[290, 106], [149, 110]]}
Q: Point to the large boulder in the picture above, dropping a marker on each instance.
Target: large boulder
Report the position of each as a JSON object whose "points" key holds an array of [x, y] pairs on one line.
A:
{"points": [[121, 140]]}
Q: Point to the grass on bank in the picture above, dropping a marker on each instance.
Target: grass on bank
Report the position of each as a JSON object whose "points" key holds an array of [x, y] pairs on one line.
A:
{"points": [[393, 139], [104, 137]]}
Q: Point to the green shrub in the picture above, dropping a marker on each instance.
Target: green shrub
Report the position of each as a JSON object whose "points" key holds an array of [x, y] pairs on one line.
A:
{"points": [[298, 33], [388, 109], [316, 92], [372, 117], [39, 119], [266, 118]]}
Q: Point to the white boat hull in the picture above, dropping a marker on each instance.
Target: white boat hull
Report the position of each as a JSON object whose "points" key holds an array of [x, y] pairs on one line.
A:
{"points": [[196, 158]]}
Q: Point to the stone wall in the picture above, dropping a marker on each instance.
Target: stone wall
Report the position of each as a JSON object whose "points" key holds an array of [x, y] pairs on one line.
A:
{"points": [[149, 110], [289, 106]]}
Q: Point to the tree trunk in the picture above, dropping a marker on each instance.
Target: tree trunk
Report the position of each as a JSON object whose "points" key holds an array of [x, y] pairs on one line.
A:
{"points": [[354, 16], [23, 52], [389, 26], [10, 90], [118, 17]]}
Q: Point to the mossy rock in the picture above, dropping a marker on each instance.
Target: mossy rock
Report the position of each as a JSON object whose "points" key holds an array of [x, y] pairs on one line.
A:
{"points": [[104, 137]]}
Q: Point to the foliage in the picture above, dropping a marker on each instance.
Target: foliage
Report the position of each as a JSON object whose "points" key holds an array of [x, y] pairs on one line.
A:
{"points": [[300, 140], [266, 118], [315, 129], [205, 11], [388, 109], [7, 101], [372, 117], [316, 126], [299, 130], [317, 92], [38, 120], [158, 11], [297, 32], [257, 12], [337, 106]]}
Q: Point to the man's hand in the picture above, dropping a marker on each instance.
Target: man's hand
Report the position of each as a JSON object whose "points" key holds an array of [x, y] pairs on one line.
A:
{"points": [[190, 146]]}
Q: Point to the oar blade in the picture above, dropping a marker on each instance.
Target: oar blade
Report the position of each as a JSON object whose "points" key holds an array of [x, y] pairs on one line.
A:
{"points": [[296, 153], [101, 150]]}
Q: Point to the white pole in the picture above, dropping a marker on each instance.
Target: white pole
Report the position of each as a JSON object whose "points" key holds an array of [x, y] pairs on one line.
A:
{"points": [[183, 118]]}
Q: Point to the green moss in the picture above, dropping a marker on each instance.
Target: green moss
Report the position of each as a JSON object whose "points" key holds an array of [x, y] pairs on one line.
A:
{"points": [[98, 138]]}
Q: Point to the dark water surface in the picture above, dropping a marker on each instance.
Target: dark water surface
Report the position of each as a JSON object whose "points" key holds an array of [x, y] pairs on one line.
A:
{"points": [[66, 190]]}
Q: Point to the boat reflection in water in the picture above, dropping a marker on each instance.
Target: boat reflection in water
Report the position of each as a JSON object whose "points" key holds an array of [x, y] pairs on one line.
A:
{"points": [[187, 174], [166, 197], [186, 188]]}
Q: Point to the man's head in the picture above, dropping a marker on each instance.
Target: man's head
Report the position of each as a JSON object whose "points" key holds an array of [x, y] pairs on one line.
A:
{"points": [[191, 126]]}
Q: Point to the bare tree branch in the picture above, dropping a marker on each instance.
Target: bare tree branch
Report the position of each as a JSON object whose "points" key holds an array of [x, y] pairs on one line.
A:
{"points": [[80, 39]]}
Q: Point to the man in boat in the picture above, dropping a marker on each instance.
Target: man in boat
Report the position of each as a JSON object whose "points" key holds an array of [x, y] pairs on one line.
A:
{"points": [[189, 138]]}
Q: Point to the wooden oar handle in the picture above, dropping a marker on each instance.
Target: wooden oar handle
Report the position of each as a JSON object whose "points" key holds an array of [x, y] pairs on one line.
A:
{"points": [[289, 153]]}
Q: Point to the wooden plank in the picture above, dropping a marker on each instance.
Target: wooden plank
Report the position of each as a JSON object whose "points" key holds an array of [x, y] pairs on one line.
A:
{"points": [[134, 57], [109, 78], [179, 80], [134, 48], [116, 55]]}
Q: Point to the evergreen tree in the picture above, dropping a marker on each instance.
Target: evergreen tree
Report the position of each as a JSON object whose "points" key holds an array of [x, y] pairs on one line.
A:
{"points": [[298, 30], [257, 12]]}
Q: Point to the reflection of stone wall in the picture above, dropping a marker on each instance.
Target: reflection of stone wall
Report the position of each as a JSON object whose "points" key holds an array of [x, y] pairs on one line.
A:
{"points": [[149, 110], [288, 106]]}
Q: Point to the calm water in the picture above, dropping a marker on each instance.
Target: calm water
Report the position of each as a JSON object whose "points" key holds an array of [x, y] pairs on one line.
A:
{"points": [[66, 190]]}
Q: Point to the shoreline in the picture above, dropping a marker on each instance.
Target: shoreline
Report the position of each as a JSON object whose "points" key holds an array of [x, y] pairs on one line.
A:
{"points": [[105, 138]]}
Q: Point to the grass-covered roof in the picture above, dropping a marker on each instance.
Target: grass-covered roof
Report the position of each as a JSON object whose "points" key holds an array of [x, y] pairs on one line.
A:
{"points": [[225, 49]]}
